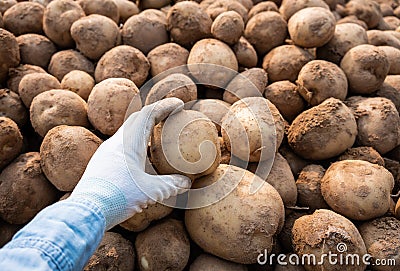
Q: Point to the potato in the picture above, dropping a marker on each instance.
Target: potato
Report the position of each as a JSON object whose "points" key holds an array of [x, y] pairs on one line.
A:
{"points": [[10, 140], [319, 80], [253, 129], [167, 56], [63, 62], [357, 189], [9, 53], [114, 253], [1, 21], [57, 107], [58, 17], [12, 107], [142, 220], [144, 33], [7, 232], [186, 143], [392, 21], [365, 10], [261, 7], [311, 27], [285, 236], [290, 7], [6, 4], [378, 122], [163, 245], [94, 35], [309, 188], [393, 55], [323, 232], [155, 14], [79, 82], [250, 83], [285, 62], [206, 262], [245, 53], [215, 8], [212, 51], [33, 84], [225, 154], [284, 95], [65, 153], [126, 9], [366, 67], [324, 131], [214, 109], [265, 31], [24, 17], [15, 75], [123, 62], [188, 23], [36, 49], [247, 213], [397, 210], [380, 237], [106, 8], [346, 36], [368, 154], [353, 20], [24, 190], [386, 9], [157, 4], [390, 89], [296, 162], [228, 27], [175, 85], [382, 38]]}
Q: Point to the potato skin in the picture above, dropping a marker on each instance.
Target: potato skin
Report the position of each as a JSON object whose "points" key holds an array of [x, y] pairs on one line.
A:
{"points": [[261, 7], [10, 140], [382, 38], [245, 53], [12, 107], [7, 231], [228, 27], [15, 75], [65, 153], [206, 262], [368, 154], [36, 49], [6, 4], [24, 190], [63, 62], [79, 82], [390, 89], [393, 55], [57, 107], [214, 109], [9, 53], [126, 9], [107, 8], [249, 215], [167, 56], [365, 10], [357, 189], [324, 131], [290, 7], [24, 17]]}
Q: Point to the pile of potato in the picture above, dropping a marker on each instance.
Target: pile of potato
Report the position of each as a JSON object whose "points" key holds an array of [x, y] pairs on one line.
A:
{"points": [[309, 107]]}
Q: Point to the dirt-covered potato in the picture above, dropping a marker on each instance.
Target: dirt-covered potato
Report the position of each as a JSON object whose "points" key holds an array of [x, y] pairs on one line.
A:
{"points": [[108, 8], [63, 62], [285, 236], [365, 10], [228, 27], [247, 213], [57, 107], [10, 141], [312, 27], [212, 51], [126, 9], [162, 245], [186, 143], [12, 107], [142, 220], [392, 22], [366, 67], [188, 23], [167, 56], [9, 53], [156, 4], [321, 233], [380, 238], [245, 53], [79, 82], [353, 20], [6, 4], [24, 17], [24, 190], [175, 85], [393, 55], [382, 38], [155, 14], [363, 153], [123, 62], [378, 122], [309, 188], [357, 189], [285, 62], [214, 109], [253, 129], [58, 17], [397, 210], [266, 30], [261, 7], [290, 7], [94, 35], [390, 89], [114, 253], [108, 102], [7, 231], [324, 131], [215, 8], [15, 75], [319, 80], [284, 95], [33, 84], [296, 162], [206, 262], [36, 49], [65, 153], [144, 33], [240, 87]]}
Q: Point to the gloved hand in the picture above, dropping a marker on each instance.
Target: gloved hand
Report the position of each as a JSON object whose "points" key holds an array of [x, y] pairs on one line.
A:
{"points": [[115, 179]]}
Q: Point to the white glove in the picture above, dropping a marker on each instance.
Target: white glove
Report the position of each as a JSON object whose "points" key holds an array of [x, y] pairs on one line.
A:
{"points": [[115, 179]]}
